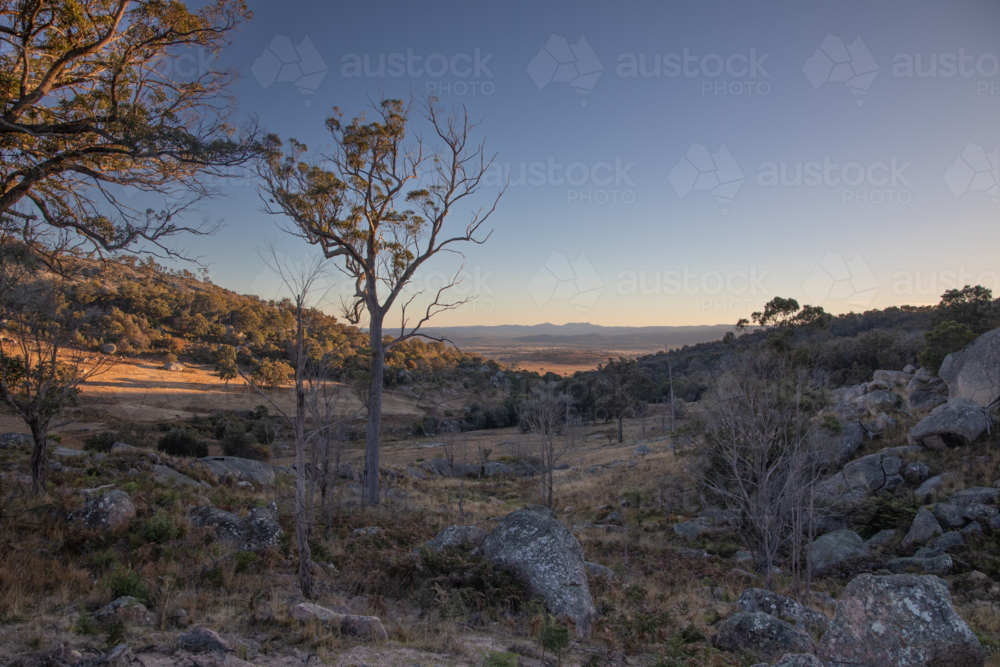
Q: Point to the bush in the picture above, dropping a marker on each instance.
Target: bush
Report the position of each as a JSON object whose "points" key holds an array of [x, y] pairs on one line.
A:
{"points": [[159, 528], [497, 659], [100, 442], [942, 340], [182, 442], [126, 581], [237, 442], [265, 431]]}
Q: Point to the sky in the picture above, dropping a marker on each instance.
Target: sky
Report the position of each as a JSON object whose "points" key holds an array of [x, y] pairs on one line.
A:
{"points": [[669, 163]]}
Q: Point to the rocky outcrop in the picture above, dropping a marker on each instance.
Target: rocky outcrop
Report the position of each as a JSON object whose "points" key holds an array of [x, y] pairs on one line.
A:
{"points": [[457, 537], [940, 565], [368, 627], [862, 478], [785, 608], [836, 449], [974, 373], [538, 549], [240, 468], [764, 634], [836, 547], [899, 620], [259, 530], [958, 422]]}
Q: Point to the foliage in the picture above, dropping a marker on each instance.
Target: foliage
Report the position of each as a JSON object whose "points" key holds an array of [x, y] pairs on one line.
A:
{"points": [[159, 528], [181, 441], [99, 442], [237, 442], [123, 581], [83, 110], [972, 306], [947, 337]]}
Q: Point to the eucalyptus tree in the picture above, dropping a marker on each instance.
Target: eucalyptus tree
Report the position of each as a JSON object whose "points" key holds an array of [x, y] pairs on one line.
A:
{"points": [[377, 204]]}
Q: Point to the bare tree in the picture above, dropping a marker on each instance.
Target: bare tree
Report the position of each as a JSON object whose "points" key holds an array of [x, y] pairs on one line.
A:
{"points": [[759, 461], [37, 382], [301, 279], [353, 205], [543, 413]]}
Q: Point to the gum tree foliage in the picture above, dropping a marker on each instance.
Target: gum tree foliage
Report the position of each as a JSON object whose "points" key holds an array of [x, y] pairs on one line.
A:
{"points": [[92, 105], [377, 203], [622, 386]]}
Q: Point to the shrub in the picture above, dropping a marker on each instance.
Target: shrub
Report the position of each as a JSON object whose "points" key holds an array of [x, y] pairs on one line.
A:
{"points": [[237, 442], [126, 581], [159, 528], [497, 659], [942, 340], [182, 442], [100, 442], [265, 431]]}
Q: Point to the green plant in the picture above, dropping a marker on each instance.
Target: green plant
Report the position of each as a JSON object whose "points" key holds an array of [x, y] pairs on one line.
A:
{"points": [[497, 659], [942, 340], [126, 581], [242, 561], [159, 528], [85, 624], [181, 441], [100, 442], [553, 638]]}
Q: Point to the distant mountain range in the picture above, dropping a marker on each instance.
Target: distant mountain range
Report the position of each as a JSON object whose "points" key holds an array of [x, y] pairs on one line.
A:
{"points": [[581, 334]]}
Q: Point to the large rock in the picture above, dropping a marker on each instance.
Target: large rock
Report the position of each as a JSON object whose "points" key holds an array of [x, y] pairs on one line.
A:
{"points": [[369, 627], [923, 529], [534, 545], [949, 515], [976, 495], [798, 660], [974, 373], [257, 531], [924, 401], [957, 422], [454, 537], [899, 621], [170, 477], [109, 510], [785, 608], [898, 378], [932, 484], [860, 479], [693, 529], [764, 634], [173, 367], [835, 450], [836, 547], [877, 401], [246, 469]]}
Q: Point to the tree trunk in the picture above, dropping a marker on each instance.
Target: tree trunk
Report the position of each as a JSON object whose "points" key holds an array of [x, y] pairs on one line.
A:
{"points": [[39, 433], [302, 527], [621, 437], [369, 493]]}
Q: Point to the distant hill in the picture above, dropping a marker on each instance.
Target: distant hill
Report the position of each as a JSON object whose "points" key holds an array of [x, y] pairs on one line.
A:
{"points": [[582, 334]]}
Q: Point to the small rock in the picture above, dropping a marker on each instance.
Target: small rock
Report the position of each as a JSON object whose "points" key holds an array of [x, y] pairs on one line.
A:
{"points": [[366, 532], [916, 472], [599, 571], [202, 640], [833, 548], [881, 538], [981, 495], [356, 626], [173, 367], [937, 565], [979, 512], [642, 450], [950, 540], [973, 528], [455, 537], [779, 606], [110, 510]]}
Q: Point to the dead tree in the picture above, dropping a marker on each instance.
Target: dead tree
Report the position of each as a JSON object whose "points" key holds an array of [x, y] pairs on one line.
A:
{"points": [[543, 413]]}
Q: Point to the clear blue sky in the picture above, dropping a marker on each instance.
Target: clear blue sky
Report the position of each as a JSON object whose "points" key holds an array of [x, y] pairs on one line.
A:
{"points": [[634, 213]]}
